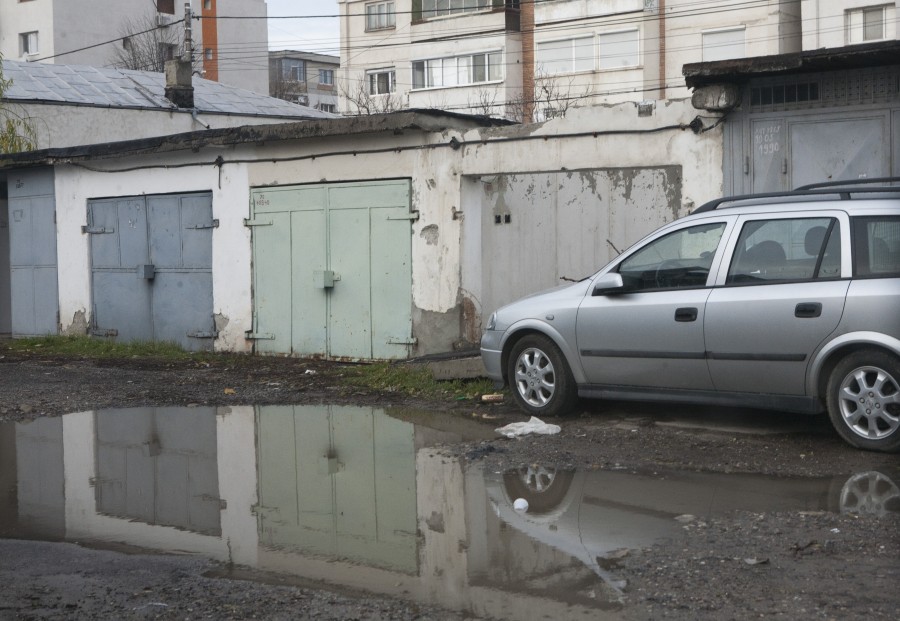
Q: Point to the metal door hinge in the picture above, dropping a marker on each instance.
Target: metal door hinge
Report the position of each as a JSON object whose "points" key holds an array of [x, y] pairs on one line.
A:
{"points": [[96, 230], [259, 336], [249, 222], [203, 335], [212, 225], [104, 332], [414, 216], [408, 341]]}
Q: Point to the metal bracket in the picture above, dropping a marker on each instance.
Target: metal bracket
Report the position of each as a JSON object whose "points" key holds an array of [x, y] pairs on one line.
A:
{"points": [[96, 230], [203, 335], [259, 336], [104, 332], [414, 217], [249, 222], [410, 341], [212, 225]]}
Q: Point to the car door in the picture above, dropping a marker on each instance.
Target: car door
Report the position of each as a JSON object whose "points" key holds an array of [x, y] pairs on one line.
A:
{"points": [[650, 332], [778, 297]]}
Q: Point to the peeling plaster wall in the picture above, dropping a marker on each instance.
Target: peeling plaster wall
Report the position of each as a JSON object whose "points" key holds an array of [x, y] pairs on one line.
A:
{"points": [[231, 240]]}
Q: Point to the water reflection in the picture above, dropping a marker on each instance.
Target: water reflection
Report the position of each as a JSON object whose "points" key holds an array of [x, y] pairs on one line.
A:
{"points": [[357, 497]]}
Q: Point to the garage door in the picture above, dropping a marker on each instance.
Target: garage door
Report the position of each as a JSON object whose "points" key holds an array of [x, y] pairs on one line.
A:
{"points": [[332, 270], [151, 269]]}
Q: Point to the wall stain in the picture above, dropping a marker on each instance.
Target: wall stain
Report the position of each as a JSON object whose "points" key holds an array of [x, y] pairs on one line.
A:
{"points": [[430, 234]]}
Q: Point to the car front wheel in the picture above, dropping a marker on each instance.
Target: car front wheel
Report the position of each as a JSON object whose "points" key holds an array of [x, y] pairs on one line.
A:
{"points": [[540, 378], [864, 400]]}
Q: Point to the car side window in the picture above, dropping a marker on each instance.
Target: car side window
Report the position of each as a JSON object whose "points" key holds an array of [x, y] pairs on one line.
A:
{"points": [[786, 250], [876, 243], [679, 260]]}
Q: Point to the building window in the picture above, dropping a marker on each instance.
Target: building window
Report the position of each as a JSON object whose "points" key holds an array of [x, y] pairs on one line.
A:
{"points": [[723, 44], [438, 8], [326, 77], [380, 15], [324, 107], [207, 4], [382, 82], [457, 70], [620, 49], [566, 56], [165, 6], [866, 24], [166, 52], [28, 43], [208, 53], [293, 70]]}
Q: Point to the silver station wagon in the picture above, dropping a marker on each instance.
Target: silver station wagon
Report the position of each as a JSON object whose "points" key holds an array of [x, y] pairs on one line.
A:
{"points": [[786, 301]]}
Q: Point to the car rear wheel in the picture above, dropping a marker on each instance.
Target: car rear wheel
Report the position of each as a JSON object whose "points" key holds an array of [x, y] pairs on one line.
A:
{"points": [[540, 378], [864, 400]]}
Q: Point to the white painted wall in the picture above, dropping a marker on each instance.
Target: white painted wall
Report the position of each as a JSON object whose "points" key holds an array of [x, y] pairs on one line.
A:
{"points": [[243, 43], [19, 17]]}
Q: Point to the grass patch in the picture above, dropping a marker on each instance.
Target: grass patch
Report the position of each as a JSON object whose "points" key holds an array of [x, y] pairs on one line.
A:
{"points": [[415, 380], [86, 347]]}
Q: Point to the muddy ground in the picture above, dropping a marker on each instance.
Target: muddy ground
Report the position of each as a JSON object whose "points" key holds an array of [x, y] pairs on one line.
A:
{"points": [[810, 565]]}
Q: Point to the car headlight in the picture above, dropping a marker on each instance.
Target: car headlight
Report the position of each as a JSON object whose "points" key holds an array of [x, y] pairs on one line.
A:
{"points": [[491, 322]]}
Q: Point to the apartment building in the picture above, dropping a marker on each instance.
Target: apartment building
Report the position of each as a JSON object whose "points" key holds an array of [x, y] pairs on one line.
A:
{"points": [[230, 37], [305, 78], [505, 57]]}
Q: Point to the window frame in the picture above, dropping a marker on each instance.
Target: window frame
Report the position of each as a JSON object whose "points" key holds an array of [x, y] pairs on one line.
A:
{"points": [[857, 32], [388, 16], [430, 68], [862, 265], [372, 80], [572, 55], [326, 77], [619, 67], [25, 39], [288, 65], [704, 48]]}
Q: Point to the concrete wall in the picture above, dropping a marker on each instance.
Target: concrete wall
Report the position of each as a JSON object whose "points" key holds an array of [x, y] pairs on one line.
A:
{"points": [[243, 44]]}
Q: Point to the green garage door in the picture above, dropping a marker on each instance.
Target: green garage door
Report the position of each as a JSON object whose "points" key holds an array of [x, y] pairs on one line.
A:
{"points": [[332, 270]]}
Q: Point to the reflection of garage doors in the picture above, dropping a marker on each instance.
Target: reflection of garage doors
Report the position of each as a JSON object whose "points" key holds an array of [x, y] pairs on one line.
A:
{"points": [[332, 271], [151, 269]]}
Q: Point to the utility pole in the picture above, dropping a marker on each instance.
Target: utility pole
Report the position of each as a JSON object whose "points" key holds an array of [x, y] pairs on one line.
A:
{"points": [[188, 52]]}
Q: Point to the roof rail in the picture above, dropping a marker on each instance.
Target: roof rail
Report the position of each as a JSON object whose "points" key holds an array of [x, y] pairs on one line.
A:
{"points": [[838, 190]]}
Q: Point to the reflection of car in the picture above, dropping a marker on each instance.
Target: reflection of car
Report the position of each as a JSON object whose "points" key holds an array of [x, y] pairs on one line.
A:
{"points": [[594, 516], [784, 301]]}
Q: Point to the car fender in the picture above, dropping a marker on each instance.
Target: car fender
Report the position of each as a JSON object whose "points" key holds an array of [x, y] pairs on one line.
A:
{"points": [[531, 324], [877, 339]]}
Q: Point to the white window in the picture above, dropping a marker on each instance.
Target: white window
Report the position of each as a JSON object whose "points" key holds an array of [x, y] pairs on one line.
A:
{"points": [[566, 56], [382, 82], [294, 70], [866, 24], [326, 77], [620, 49], [208, 53], [437, 8], [457, 70], [723, 44], [380, 15], [28, 43], [207, 4], [324, 107]]}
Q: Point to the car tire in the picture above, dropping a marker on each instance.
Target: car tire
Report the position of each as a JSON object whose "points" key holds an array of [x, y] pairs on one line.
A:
{"points": [[539, 377], [863, 400], [543, 487]]}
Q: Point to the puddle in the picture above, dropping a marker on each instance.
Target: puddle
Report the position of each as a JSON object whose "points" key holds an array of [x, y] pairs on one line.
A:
{"points": [[357, 497]]}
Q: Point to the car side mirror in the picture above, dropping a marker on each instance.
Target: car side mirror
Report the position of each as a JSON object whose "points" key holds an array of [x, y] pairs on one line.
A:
{"points": [[609, 284]]}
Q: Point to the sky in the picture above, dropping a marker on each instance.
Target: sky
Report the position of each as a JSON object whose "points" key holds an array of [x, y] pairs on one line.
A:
{"points": [[311, 34]]}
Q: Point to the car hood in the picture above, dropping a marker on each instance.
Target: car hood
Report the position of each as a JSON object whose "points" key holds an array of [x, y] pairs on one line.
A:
{"points": [[537, 304]]}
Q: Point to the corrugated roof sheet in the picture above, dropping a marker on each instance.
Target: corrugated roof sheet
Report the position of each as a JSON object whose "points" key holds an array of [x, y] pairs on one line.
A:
{"points": [[124, 88]]}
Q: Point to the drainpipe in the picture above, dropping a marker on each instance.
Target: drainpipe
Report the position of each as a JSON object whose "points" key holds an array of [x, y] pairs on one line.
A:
{"points": [[662, 49], [526, 9]]}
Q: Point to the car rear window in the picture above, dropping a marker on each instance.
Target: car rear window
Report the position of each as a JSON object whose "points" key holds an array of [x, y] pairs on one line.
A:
{"points": [[876, 246]]}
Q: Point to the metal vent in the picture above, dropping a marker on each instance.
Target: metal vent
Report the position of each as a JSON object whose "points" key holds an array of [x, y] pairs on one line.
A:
{"points": [[826, 90]]}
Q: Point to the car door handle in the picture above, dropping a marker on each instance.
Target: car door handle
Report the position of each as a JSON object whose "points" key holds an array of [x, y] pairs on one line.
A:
{"points": [[808, 310], [686, 314]]}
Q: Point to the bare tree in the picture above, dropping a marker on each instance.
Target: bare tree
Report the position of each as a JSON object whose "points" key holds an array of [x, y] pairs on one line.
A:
{"points": [[550, 99], [146, 45], [484, 102], [361, 101], [17, 132]]}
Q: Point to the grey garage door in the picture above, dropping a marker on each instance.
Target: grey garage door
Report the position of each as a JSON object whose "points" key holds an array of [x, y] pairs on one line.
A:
{"points": [[151, 269]]}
